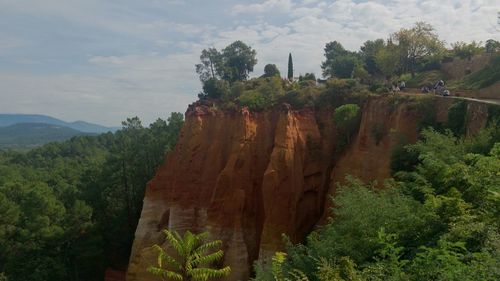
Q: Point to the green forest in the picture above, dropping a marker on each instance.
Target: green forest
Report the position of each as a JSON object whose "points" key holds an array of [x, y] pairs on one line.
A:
{"points": [[68, 210]]}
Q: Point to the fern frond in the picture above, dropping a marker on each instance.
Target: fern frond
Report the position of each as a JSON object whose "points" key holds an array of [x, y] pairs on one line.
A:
{"points": [[203, 274], [174, 241], [207, 246], [298, 275], [165, 274], [164, 257], [213, 257]]}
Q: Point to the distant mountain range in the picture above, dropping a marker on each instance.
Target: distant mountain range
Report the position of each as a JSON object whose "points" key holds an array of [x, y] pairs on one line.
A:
{"points": [[25, 135], [29, 130], [82, 126]]}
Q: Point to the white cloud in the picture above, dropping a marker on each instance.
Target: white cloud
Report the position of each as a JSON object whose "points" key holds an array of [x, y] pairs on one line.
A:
{"points": [[268, 6]]}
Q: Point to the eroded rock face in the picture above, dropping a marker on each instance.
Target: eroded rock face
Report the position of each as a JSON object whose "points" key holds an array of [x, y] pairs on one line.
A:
{"points": [[246, 178]]}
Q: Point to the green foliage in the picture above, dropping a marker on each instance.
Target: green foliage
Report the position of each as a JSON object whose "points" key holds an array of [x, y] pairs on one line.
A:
{"points": [[271, 70], [215, 89], [466, 50], [369, 51], [346, 119], [307, 77], [233, 63], [192, 260], [339, 62], [387, 60], [69, 210], [266, 94], [416, 45], [403, 158], [437, 220], [457, 117], [426, 78], [492, 46], [425, 107], [340, 86], [238, 60], [211, 65], [483, 78], [290, 67]]}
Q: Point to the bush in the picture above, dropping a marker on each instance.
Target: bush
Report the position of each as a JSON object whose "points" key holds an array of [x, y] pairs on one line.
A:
{"points": [[214, 88], [340, 86], [254, 100], [457, 117], [346, 119]]}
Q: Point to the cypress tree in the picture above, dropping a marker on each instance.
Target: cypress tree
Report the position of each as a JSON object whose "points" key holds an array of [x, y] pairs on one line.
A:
{"points": [[290, 67]]}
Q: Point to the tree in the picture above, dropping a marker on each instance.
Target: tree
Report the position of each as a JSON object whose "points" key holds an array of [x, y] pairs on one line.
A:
{"points": [[417, 44], [270, 70], [290, 67], [210, 66], [192, 261], [339, 62], [307, 77], [215, 88], [492, 46], [238, 60], [346, 119], [387, 60], [368, 52], [466, 51]]}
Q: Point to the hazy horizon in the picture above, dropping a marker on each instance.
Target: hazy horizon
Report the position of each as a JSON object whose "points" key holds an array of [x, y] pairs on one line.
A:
{"points": [[103, 62]]}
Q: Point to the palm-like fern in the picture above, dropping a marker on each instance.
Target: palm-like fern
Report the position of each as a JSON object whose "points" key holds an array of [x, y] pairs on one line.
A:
{"points": [[193, 260]]}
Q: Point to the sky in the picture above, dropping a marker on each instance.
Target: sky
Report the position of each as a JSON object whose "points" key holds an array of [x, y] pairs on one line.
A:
{"points": [[105, 60]]}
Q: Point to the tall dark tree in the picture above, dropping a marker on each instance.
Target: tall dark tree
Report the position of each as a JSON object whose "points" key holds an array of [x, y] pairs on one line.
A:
{"points": [[290, 67]]}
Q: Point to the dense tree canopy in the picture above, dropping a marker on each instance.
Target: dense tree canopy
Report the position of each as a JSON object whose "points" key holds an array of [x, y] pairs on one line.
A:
{"points": [[238, 60], [271, 70], [417, 44], [68, 210]]}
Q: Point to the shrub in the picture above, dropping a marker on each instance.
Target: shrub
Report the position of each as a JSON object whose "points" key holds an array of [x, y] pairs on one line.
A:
{"points": [[340, 86], [346, 119], [456, 117], [254, 100], [214, 88]]}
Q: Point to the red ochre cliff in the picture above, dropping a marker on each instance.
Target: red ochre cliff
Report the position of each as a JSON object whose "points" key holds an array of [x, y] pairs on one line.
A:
{"points": [[246, 177]]}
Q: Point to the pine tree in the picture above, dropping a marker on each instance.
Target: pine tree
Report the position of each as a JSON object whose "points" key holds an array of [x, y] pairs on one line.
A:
{"points": [[290, 67], [193, 260]]}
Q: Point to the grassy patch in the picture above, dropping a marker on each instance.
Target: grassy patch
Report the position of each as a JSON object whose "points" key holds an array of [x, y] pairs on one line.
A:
{"points": [[483, 78], [425, 78]]}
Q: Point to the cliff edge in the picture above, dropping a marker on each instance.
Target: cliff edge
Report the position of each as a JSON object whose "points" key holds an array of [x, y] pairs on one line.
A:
{"points": [[247, 177]]}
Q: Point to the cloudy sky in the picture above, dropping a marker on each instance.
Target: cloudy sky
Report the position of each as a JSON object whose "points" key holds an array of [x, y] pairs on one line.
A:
{"points": [[105, 60]]}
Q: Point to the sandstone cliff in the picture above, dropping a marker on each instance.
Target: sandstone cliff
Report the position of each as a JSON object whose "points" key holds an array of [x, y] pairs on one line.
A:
{"points": [[249, 177]]}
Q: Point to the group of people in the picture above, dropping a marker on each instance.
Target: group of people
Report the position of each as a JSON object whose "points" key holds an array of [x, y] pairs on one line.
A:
{"points": [[438, 89], [399, 86]]}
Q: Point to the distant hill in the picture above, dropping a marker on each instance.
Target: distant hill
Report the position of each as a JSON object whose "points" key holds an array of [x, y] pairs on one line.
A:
{"points": [[82, 126], [24, 135]]}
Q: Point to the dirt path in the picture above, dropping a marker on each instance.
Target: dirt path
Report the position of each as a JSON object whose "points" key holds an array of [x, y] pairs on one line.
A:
{"points": [[414, 92]]}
